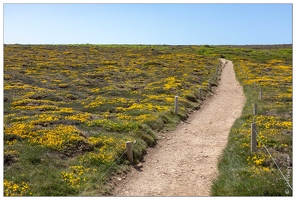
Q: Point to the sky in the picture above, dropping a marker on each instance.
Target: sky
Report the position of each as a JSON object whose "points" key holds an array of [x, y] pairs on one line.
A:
{"points": [[148, 23]]}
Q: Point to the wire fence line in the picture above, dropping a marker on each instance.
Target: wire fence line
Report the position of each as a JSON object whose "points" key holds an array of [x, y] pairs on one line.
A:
{"points": [[132, 174], [257, 88], [104, 173], [274, 161]]}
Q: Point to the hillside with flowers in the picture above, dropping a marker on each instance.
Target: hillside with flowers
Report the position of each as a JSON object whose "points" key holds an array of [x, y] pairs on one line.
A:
{"points": [[69, 109]]}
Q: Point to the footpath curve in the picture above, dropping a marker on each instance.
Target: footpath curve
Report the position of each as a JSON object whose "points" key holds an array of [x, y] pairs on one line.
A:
{"points": [[184, 161]]}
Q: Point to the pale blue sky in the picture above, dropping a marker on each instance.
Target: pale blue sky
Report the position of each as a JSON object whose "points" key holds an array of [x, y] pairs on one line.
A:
{"points": [[173, 24]]}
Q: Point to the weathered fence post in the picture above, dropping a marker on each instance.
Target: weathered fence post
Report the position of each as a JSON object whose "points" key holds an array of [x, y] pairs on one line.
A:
{"points": [[176, 105], [255, 108], [253, 137], [129, 152], [200, 93], [260, 93], [217, 69]]}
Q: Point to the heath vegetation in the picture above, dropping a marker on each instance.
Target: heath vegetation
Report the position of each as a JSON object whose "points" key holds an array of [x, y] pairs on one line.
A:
{"points": [[69, 109]]}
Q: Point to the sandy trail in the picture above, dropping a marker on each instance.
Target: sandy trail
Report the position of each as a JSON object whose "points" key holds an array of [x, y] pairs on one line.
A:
{"points": [[184, 162]]}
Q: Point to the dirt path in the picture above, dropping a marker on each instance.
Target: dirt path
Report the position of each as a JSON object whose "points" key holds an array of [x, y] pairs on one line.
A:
{"points": [[184, 162]]}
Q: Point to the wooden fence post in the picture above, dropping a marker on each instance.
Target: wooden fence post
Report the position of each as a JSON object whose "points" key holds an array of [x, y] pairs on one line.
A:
{"points": [[255, 108], [176, 105], [253, 137], [217, 68], [129, 152], [260, 93], [200, 93]]}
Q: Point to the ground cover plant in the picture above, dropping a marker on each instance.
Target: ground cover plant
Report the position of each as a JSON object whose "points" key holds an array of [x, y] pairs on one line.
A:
{"points": [[69, 109], [242, 173]]}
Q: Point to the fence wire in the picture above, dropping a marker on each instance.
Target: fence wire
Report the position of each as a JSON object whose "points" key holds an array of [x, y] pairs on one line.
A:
{"points": [[259, 91], [273, 160], [104, 173]]}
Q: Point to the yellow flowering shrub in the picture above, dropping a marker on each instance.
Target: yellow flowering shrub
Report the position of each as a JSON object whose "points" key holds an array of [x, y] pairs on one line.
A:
{"points": [[258, 158], [259, 171], [58, 138], [82, 117], [11, 152], [107, 149], [23, 130], [13, 189], [43, 119], [76, 176]]}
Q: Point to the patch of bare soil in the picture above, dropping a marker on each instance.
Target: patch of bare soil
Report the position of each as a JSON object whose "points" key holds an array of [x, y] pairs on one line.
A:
{"points": [[184, 162]]}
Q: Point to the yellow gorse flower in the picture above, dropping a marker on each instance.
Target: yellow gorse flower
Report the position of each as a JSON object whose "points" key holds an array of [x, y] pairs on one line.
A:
{"points": [[13, 189], [58, 138]]}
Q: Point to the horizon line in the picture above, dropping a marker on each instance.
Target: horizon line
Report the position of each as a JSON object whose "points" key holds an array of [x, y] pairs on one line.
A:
{"points": [[144, 44]]}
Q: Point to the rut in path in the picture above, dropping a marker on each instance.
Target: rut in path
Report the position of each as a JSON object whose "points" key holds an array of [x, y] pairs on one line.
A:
{"points": [[184, 162]]}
